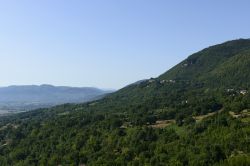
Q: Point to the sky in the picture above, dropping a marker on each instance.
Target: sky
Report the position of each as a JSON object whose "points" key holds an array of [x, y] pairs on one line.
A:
{"points": [[109, 43]]}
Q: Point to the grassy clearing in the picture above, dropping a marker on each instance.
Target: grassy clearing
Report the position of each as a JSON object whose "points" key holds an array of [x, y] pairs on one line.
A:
{"points": [[166, 123], [246, 120], [180, 130]]}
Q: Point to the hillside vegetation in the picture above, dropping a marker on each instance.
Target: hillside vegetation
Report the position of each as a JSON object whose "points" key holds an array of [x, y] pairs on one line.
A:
{"points": [[197, 113]]}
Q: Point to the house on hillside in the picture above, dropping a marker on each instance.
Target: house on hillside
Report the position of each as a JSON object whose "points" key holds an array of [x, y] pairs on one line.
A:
{"points": [[172, 81], [167, 81], [163, 81], [243, 92], [230, 90], [151, 80]]}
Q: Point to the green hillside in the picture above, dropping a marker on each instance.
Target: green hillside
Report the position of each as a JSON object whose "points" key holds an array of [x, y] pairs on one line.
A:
{"points": [[234, 72], [218, 67], [197, 66], [197, 113]]}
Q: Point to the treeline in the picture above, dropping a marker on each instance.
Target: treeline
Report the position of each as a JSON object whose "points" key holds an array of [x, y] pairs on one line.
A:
{"points": [[84, 134]]}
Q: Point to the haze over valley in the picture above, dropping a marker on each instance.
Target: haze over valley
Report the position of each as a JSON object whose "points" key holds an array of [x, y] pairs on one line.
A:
{"points": [[28, 97]]}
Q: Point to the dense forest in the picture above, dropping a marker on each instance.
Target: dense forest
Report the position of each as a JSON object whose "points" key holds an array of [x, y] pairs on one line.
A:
{"points": [[197, 113]]}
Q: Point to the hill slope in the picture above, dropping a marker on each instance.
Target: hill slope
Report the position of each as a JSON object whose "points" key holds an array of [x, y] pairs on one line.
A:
{"points": [[197, 113], [197, 66], [224, 66]]}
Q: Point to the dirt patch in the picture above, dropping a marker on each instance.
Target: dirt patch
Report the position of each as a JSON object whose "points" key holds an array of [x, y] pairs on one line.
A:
{"points": [[243, 114], [9, 125], [162, 123], [234, 115], [63, 113], [201, 117]]}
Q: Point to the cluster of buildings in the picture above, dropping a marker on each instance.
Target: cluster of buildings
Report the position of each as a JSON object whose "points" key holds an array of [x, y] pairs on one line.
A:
{"points": [[242, 91]]}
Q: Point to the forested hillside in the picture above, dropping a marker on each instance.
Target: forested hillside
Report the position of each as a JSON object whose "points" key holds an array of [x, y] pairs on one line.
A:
{"points": [[197, 113]]}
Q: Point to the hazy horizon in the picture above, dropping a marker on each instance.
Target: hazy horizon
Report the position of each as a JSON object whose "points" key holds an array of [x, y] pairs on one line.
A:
{"points": [[59, 86], [109, 44]]}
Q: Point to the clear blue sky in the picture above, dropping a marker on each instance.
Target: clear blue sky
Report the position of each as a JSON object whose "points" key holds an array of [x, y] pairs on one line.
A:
{"points": [[109, 43]]}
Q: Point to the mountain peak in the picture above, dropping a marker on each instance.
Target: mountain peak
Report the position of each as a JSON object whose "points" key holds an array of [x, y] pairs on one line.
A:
{"points": [[47, 85]]}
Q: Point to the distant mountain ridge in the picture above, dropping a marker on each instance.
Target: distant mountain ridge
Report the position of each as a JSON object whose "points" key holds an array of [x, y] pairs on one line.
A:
{"points": [[36, 96]]}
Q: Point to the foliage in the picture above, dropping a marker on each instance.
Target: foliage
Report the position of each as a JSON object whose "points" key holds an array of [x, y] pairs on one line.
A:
{"points": [[117, 130]]}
